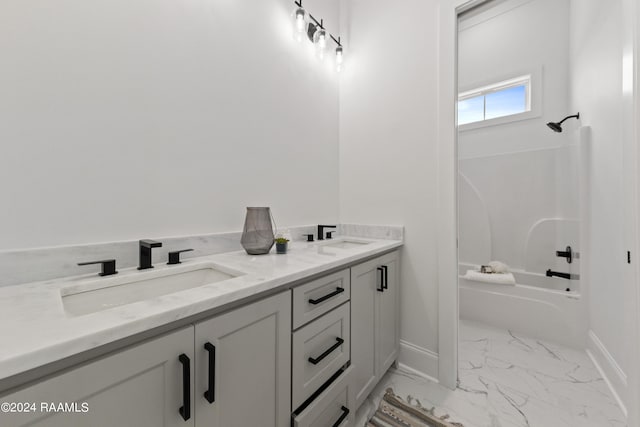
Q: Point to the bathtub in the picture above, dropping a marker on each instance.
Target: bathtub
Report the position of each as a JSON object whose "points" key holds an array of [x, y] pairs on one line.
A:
{"points": [[537, 306]]}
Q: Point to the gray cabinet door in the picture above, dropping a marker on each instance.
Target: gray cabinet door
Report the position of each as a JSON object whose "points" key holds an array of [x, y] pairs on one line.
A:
{"points": [[375, 338], [387, 318], [138, 387], [252, 370], [365, 280]]}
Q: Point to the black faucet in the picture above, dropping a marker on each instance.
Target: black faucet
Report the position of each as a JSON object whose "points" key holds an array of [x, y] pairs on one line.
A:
{"points": [[321, 230], [145, 253], [558, 274]]}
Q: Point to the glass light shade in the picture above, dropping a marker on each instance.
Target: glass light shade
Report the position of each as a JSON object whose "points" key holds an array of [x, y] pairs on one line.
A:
{"points": [[300, 20], [339, 57], [320, 40]]}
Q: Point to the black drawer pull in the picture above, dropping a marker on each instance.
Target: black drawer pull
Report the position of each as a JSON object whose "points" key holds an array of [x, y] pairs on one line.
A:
{"points": [[345, 414], [385, 284], [338, 291], [381, 288], [210, 394], [185, 409], [339, 342]]}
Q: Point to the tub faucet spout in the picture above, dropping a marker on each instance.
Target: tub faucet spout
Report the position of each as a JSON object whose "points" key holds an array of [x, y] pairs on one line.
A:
{"points": [[567, 276]]}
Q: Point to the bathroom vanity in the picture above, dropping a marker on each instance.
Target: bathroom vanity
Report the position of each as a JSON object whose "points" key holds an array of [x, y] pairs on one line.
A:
{"points": [[298, 339]]}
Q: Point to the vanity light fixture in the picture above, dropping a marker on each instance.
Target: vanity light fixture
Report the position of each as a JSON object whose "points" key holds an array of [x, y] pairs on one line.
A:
{"points": [[316, 33]]}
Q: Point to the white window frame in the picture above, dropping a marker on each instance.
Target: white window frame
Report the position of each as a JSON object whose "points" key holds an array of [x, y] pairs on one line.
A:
{"points": [[532, 81]]}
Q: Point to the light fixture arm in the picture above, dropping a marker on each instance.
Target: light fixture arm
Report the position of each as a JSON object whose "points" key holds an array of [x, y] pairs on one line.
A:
{"points": [[319, 24]]}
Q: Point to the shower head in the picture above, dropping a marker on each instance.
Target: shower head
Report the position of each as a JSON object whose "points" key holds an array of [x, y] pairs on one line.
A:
{"points": [[557, 126]]}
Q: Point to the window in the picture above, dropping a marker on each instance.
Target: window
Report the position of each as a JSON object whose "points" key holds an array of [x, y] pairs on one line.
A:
{"points": [[503, 99]]}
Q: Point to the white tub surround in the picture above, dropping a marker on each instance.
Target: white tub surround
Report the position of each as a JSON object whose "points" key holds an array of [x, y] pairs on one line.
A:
{"points": [[547, 314], [37, 330]]}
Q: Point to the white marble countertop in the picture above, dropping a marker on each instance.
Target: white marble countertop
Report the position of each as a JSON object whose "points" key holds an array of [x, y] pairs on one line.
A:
{"points": [[37, 331]]}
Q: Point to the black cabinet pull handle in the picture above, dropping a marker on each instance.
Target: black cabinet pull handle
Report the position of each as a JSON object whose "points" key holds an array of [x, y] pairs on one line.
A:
{"points": [[338, 291], [385, 284], [345, 414], [210, 394], [185, 409], [381, 288], [339, 342]]}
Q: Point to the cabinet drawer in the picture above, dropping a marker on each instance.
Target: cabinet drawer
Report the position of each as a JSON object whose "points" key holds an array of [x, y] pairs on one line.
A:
{"points": [[315, 298], [320, 349], [333, 407]]}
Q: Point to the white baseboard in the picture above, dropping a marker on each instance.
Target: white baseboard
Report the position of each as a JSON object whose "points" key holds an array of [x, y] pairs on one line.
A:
{"points": [[421, 361], [613, 375]]}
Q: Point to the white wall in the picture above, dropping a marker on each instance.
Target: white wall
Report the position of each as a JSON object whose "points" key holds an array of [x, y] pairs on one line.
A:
{"points": [[597, 41], [388, 146], [523, 37], [523, 173], [124, 119]]}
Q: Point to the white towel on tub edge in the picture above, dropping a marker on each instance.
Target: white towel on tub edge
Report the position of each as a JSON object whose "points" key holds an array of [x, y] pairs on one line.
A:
{"points": [[497, 278]]}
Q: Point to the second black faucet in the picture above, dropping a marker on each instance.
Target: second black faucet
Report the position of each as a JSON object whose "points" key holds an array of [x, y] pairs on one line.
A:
{"points": [[145, 253], [321, 231]]}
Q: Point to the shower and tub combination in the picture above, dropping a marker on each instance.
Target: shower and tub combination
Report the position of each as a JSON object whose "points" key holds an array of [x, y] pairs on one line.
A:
{"points": [[522, 208], [537, 306], [523, 172]]}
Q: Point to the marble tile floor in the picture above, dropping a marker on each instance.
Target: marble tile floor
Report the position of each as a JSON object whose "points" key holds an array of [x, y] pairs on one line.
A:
{"points": [[509, 380]]}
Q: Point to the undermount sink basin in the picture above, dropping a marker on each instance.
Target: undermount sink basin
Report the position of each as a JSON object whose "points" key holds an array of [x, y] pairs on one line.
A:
{"points": [[346, 244], [105, 293]]}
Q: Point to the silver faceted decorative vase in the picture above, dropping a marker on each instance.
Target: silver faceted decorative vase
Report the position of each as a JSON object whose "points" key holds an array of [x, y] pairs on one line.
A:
{"points": [[258, 235]]}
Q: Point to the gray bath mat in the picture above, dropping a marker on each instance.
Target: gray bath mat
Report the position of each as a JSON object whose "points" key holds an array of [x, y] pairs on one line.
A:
{"points": [[395, 412]]}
